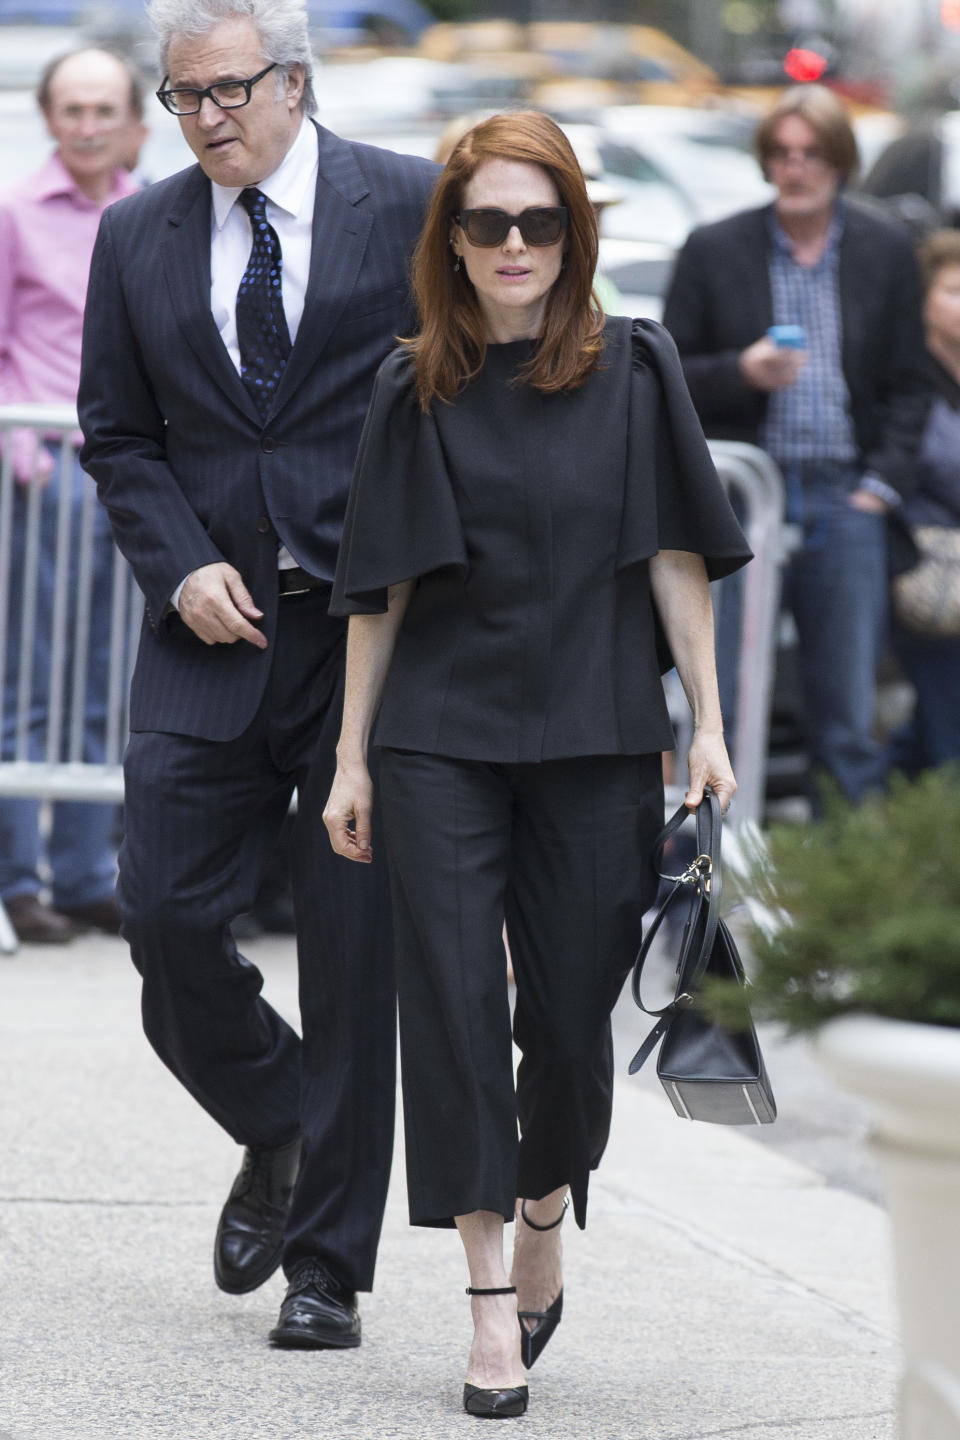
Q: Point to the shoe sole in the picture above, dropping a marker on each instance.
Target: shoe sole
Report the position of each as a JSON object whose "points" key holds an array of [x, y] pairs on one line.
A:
{"points": [[301, 1340], [253, 1282]]}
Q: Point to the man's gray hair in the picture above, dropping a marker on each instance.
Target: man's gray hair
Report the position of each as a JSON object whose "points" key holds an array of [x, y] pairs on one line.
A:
{"points": [[281, 25]]}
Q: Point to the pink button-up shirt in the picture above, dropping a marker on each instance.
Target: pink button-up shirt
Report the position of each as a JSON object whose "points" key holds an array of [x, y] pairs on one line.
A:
{"points": [[47, 230]]}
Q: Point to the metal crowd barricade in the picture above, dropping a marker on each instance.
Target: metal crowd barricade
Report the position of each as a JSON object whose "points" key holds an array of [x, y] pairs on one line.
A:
{"points": [[42, 754], [747, 606]]}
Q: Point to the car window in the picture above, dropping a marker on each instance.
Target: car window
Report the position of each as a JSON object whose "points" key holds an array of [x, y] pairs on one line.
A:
{"points": [[624, 160]]}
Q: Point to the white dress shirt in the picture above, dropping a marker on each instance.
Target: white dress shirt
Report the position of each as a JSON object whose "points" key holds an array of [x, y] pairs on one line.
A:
{"points": [[290, 191]]}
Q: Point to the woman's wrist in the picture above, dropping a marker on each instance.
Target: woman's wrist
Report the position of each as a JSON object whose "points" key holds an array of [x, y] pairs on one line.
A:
{"points": [[351, 755], [711, 728]]}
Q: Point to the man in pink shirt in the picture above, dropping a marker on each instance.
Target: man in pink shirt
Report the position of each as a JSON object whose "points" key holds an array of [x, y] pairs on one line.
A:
{"points": [[91, 100]]}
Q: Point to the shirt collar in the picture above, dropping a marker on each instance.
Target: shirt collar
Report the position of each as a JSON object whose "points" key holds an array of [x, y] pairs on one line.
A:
{"points": [[53, 179], [783, 245], [288, 184]]}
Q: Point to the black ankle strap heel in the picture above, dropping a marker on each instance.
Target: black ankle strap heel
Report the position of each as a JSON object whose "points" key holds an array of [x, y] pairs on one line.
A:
{"points": [[553, 1223], [533, 1340], [494, 1404]]}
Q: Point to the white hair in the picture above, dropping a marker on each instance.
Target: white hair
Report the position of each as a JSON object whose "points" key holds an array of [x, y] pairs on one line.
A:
{"points": [[281, 25]]}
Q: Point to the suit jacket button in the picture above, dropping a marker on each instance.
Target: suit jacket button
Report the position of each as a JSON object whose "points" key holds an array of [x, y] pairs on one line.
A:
{"points": [[263, 525], [268, 444]]}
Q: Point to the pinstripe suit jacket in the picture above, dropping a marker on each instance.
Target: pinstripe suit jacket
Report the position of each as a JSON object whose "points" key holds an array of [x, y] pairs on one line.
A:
{"points": [[183, 462]]}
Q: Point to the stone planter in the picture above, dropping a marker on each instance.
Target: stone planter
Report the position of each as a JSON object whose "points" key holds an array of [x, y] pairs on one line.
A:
{"points": [[910, 1076]]}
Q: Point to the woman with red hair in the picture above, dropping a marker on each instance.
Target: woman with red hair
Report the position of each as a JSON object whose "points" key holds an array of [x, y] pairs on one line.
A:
{"points": [[532, 495]]}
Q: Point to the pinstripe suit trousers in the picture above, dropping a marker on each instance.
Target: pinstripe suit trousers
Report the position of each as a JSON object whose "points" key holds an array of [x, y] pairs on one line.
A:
{"points": [[201, 818]]}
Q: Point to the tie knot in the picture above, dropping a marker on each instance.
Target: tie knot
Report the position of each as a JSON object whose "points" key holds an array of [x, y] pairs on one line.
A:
{"points": [[254, 202]]}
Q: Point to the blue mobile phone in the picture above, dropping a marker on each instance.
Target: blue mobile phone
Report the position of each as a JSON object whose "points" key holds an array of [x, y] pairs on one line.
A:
{"points": [[788, 337]]}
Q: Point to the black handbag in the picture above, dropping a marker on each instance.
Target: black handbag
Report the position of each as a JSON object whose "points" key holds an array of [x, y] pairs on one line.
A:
{"points": [[710, 1071]]}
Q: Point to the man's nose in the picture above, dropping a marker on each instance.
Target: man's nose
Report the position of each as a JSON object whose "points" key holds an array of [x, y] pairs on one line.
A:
{"points": [[209, 114]]}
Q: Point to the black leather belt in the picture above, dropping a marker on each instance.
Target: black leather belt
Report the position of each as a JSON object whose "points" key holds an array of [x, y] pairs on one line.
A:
{"points": [[297, 582]]}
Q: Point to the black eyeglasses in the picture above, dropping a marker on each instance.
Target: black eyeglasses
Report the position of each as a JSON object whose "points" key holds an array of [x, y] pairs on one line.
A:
{"points": [[540, 225], [228, 94]]}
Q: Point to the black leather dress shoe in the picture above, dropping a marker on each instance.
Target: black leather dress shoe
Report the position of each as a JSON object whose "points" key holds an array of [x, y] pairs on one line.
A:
{"points": [[318, 1313], [250, 1233]]}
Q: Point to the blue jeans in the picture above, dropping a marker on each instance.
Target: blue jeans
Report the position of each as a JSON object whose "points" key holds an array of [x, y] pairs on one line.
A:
{"points": [[836, 587], [80, 850], [932, 665]]}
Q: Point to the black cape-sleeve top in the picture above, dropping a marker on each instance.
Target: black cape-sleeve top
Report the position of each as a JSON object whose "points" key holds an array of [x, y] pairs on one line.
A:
{"points": [[528, 521]]}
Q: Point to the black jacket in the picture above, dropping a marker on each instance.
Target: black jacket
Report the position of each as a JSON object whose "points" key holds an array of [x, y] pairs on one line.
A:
{"points": [[183, 462], [719, 302]]}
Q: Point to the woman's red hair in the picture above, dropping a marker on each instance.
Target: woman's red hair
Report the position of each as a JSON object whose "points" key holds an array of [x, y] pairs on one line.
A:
{"points": [[451, 346]]}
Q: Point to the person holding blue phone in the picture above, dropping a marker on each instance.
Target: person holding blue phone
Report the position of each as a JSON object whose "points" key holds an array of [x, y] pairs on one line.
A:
{"points": [[798, 327]]}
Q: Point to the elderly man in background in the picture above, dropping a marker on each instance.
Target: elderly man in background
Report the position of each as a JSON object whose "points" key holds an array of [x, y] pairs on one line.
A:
{"points": [[92, 102], [799, 330], [238, 313]]}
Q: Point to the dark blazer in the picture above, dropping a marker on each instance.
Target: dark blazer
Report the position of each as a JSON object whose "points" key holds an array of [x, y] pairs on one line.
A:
{"points": [[187, 469], [719, 302]]}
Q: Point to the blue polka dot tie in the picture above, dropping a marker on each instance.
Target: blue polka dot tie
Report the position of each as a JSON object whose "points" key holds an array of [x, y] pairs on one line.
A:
{"points": [[261, 324]]}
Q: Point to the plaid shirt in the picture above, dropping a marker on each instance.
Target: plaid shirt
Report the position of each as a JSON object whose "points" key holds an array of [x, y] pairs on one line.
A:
{"points": [[810, 420]]}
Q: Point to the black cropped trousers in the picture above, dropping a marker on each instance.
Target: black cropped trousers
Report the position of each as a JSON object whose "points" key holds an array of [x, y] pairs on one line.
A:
{"points": [[561, 850]]}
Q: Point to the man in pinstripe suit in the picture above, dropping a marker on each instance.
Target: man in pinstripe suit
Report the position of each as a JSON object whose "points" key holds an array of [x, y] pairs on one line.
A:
{"points": [[236, 316]]}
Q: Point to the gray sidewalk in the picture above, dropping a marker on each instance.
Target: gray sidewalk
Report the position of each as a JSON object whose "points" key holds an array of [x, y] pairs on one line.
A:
{"points": [[720, 1290]]}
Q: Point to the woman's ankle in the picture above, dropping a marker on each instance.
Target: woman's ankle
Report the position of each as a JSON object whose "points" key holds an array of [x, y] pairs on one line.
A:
{"points": [[545, 1213]]}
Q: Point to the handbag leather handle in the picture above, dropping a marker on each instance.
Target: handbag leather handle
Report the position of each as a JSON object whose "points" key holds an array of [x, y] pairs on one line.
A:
{"points": [[700, 932]]}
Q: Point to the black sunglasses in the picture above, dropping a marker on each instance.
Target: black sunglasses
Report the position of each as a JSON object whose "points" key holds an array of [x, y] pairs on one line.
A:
{"points": [[540, 225], [228, 94]]}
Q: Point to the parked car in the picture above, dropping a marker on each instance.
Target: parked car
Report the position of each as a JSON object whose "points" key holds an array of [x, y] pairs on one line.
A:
{"points": [[705, 154], [640, 269]]}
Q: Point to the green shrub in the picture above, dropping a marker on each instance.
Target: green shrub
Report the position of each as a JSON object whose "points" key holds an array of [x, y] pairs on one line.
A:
{"points": [[873, 900]]}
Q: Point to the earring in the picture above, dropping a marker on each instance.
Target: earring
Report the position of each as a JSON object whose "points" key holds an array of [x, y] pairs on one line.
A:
{"points": [[456, 266]]}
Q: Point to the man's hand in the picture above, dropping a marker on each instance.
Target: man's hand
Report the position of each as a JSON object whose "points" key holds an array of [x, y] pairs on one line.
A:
{"points": [[866, 501], [217, 606], [765, 366], [32, 461]]}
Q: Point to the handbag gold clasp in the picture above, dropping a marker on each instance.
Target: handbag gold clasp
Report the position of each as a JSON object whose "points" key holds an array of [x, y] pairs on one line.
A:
{"points": [[699, 871]]}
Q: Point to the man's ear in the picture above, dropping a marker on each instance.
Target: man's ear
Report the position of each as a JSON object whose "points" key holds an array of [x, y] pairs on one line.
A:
{"points": [[296, 80]]}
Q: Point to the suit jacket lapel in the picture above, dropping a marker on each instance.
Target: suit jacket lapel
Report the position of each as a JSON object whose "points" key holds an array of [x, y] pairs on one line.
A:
{"points": [[340, 233], [186, 262], [754, 261]]}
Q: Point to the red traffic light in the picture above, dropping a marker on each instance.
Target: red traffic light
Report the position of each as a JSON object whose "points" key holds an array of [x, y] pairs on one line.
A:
{"points": [[804, 66]]}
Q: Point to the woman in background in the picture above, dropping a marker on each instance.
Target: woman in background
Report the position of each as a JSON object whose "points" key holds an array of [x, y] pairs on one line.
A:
{"points": [[932, 662]]}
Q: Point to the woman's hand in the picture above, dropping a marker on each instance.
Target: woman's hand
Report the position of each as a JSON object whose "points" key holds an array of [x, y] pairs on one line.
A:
{"points": [[709, 764], [350, 801]]}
